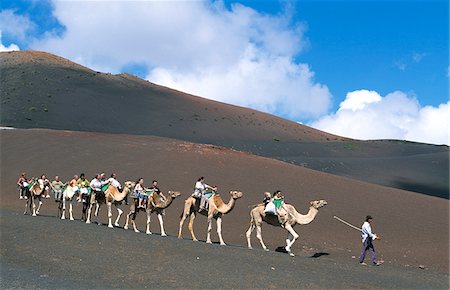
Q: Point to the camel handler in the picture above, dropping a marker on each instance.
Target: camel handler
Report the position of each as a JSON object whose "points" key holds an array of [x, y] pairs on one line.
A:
{"points": [[57, 187], [367, 238]]}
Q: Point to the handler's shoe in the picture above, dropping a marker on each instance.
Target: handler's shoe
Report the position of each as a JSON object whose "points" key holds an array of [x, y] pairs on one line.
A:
{"points": [[363, 264], [377, 263]]}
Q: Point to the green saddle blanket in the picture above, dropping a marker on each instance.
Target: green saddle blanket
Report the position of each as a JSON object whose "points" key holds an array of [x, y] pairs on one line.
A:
{"points": [[105, 187], [208, 194]]}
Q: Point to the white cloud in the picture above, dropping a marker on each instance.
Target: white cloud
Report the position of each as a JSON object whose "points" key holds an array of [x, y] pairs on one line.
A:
{"points": [[11, 47], [367, 115], [15, 25], [233, 55]]}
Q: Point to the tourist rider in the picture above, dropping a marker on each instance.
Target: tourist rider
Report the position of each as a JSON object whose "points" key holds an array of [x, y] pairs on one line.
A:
{"points": [[96, 184], [278, 201], [155, 190], [74, 185], [83, 185], [114, 182], [200, 190], [140, 192], [44, 185], [23, 184], [57, 187]]}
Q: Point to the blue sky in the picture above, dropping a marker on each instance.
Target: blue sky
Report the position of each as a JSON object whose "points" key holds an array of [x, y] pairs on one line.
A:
{"points": [[362, 69]]}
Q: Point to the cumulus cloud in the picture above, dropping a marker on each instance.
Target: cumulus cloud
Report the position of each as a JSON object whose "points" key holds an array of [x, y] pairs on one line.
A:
{"points": [[367, 115], [15, 25], [10, 47], [235, 55]]}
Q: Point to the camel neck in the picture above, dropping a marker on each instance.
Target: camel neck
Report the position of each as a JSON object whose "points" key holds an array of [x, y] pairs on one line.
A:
{"points": [[307, 218]]}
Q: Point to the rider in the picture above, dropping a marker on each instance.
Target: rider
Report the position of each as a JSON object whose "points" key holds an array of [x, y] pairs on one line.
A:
{"points": [[278, 200], [200, 190], [83, 184], [23, 183], [74, 185], [114, 182], [44, 185], [96, 184], [155, 190], [57, 186], [140, 192]]}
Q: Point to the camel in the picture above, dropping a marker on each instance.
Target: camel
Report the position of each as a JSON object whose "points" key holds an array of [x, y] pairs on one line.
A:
{"points": [[292, 218], [93, 199], [36, 192], [217, 208], [67, 194], [154, 204], [113, 195]]}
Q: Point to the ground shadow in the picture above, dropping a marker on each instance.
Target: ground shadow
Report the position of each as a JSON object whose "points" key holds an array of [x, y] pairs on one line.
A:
{"points": [[320, 254]]}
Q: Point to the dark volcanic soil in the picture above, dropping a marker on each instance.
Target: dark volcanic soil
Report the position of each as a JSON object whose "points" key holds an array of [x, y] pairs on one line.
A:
{"points": [[40, 90], [414, 227], [74, 255]]}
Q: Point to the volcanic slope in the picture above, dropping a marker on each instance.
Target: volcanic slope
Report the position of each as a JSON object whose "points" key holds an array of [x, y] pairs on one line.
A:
{"points": [[414, 226], [40, 90]]}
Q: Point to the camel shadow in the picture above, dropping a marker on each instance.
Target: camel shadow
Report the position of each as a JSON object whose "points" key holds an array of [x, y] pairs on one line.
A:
{"points": [[320, 254], [282, 249]]}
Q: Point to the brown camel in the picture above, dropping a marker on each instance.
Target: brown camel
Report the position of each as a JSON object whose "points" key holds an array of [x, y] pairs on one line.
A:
{"points": [[217, 208], [154, 204], [113, 195], [36, 192], [292, 218]]}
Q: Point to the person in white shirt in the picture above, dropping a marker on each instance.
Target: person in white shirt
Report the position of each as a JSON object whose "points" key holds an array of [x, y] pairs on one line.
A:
{"points": [[44, 184], [367, 237], [114, 182], [200, 189]]}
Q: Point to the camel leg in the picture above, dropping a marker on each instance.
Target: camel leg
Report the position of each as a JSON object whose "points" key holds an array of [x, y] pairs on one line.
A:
{"points": [[183, 218], [39, 206], [60, 204], [109, 205], [97, 209], [291, 231], [88, 218], [191, 226], [120, 212], [71, 209], [134, 226], [148, 232], [248, 235], [219, 231], [208, 233], [127, 220], [63, 214], [34, 205], [259, 236], [27, 204], [161, 224]]}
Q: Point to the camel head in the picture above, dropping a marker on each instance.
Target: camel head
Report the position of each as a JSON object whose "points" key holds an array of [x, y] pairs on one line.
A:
{"points": [[130, 184], [174, 194], [236, 194], [318, 203]]}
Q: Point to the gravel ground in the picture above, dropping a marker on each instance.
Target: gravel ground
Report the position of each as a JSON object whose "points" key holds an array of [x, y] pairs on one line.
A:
{"points": [[47, 253]]}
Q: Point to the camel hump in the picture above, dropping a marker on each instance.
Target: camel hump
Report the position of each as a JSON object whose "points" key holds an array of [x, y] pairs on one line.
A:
{"points": [[156, 198], [218, 201]]}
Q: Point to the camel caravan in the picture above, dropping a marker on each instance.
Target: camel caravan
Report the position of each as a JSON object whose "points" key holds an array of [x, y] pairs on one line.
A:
{"points": [[205, 200]]}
